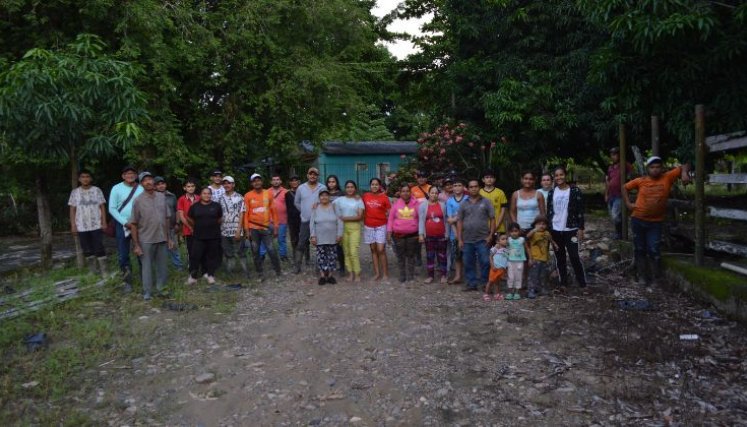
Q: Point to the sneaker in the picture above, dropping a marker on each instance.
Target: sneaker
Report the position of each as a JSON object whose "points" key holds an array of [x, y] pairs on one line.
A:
{"points": [[297, 269], [322, 281], [531, 294], [509, 296], [127, 288], [331, 280], [211, 280], [163, 294], [146, 296], [191, 280], [516, 296]]}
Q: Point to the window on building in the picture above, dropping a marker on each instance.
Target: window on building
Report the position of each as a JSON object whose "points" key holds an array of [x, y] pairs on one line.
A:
{"points": [[383, 170]]}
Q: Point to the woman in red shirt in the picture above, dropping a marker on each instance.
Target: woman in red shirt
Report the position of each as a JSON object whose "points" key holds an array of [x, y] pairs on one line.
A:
{"points": [[375, 215], [433, 232]]}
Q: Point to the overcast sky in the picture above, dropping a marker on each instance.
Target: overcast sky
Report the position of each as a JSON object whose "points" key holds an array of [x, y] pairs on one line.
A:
{"points": [[400, 49]]}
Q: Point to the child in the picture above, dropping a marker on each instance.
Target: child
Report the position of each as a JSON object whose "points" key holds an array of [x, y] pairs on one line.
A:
{"points": [[517, 255], [539, 240], [498, 264]]}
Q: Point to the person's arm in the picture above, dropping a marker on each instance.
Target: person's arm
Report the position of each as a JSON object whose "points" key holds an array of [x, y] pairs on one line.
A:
{"points": [[297, 200], [312, 228], [135, 239], [421, 221], [513, 206], [459, 234], [102, 209], [390, 223], [626, 198], [580, 212], [274, 219], [166, 228], [340, 230], [527, 250], [492, 225], [607, 186], [114, 201], [541, 202], [73, 227]]}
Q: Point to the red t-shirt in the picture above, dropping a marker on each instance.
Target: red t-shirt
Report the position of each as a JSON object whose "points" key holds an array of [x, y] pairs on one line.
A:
{"points": [[434, 221], [376, 206], [183, 205]]}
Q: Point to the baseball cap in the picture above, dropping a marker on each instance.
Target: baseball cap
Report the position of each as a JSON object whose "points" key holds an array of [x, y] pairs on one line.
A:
{"points": [[255, 176], [216, 172], [448, 180], [295, 178], [158, 179], [614, 150], [653, 159], [313, 170], [129, 168], [144, 175], [421, 173], [229, 179]]}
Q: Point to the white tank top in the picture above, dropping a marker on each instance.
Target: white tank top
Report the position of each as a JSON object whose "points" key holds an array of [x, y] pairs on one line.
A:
{"points": [[526, 211]]}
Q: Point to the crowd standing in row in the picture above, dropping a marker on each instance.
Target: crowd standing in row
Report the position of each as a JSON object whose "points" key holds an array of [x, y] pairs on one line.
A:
{"points": [[471, 231]]}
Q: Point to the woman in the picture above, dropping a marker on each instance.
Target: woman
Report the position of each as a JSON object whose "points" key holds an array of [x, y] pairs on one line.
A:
{"points": [[545, 186], [526, 203], [326, 233], [333, 186], [565, 213], [376, 210], [402, 230], [204, 218], [350, 210], [433, 232]]}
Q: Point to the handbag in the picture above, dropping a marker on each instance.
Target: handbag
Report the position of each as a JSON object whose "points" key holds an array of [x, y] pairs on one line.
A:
{"points": [[110, 230]]}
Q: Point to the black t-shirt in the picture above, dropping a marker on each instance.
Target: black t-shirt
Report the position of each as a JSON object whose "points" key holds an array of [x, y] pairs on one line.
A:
{"points": [[206, 219]]}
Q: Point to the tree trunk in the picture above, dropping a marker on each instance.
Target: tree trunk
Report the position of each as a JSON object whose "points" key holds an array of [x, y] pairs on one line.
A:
{"points": [[79, 260], [45, 222]]}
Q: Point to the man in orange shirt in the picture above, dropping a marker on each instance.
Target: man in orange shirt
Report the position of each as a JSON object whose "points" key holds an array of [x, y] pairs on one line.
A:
{"points": [[649, 212], [260, 213]]}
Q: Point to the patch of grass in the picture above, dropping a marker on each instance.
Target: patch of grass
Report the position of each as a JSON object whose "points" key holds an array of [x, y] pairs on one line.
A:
{"points": [[717, 282]]}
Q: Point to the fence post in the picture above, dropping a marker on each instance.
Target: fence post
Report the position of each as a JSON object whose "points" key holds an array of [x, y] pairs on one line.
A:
{"points": [[622, 167], [700, 153], [655, 141]]}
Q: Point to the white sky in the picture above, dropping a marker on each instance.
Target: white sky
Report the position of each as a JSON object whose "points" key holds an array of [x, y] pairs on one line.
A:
{"points": [[401, 48]]}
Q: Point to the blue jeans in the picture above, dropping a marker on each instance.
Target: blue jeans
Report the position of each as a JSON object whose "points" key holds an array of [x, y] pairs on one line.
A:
{"points": [[480, 250], [646, 238], [282, 244], [261, 238], [614, 207], [176, 259], [123, 247]]}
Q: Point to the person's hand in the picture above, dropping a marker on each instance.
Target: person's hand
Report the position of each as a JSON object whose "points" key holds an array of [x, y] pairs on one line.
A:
{"points": [[630, 207], [313, 241], [685, 178], [530, 262], [237, 237], [421, 239], [488, 239], [170, 244], [339, 239], [606, 198], [555, 246], [128, 226], [275, 233], [138, 250], [389, 238], [461, 244], [74, 229], [580, 235]]}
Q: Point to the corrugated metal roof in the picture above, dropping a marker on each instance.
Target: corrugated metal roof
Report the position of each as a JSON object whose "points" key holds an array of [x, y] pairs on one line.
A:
{"points": [[370, 147]]}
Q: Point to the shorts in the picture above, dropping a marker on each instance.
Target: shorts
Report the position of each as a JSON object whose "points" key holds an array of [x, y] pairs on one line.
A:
{"points": [[496, 274], [373, 235]]}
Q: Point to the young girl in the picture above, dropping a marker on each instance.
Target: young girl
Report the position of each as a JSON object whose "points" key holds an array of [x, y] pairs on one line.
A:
{"points": [[375, 214], [498, 265], [433, 232], [539, 240], [350, 210], [565, 216], [517, 255]]}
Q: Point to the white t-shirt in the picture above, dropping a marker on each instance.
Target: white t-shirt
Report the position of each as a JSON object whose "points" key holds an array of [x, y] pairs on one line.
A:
{"points": [[560, 200], [233, 208], [347, 206], [87, 204], [218, 193]]}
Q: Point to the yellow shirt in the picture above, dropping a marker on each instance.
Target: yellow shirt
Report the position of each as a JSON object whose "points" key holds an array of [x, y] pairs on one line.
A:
{"points": [[498, 199], [539, 246]]}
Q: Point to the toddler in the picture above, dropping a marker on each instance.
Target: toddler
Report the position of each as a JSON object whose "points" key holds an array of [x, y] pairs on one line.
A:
{"points": [[498, 264], [517, 256], [539, 241]]}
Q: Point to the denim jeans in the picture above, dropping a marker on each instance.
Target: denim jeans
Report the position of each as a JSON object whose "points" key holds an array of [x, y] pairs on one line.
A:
{"points": [[282, 243], [614, 207], [476, 251], [123, 249], [176, 259], [646, 238], [258, 238]]}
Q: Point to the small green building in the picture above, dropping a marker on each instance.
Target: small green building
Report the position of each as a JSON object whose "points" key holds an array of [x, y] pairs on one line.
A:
{"points": [[363, 160]]}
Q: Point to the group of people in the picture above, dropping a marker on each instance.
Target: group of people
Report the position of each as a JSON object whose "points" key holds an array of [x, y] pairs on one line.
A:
{"points": [[472, 233]]}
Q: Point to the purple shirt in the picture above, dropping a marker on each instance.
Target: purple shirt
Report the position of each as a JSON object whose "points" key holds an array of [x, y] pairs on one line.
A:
{"points": [[613, 179]]}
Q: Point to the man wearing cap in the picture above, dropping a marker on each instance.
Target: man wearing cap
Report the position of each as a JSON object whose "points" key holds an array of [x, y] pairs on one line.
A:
{"points": [[294, 215], [149, 224], [161, 187], [120, 208], [233, 208], [260, 213], [613, 190], [649, 212], [306, 197], [216, 185]]}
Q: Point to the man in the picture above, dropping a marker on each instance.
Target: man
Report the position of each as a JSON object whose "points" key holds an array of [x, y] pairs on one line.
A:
{"points": [[150, 235], [497, 198], [120, 208], [307, 196], [260, 213], [453, 203], [233, 208], [216, 185], [182, 209], [613, 190], [448, 189], [161, 187], [475, 227], [278, 199], [88, 220], [294, 215], [649, 212]]}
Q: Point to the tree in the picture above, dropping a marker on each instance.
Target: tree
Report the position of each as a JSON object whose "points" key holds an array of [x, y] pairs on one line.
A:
{"points": [[62, 107]]}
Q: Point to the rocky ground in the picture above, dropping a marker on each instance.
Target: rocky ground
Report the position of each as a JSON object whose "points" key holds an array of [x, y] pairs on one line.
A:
{"points": [[294, 353]]}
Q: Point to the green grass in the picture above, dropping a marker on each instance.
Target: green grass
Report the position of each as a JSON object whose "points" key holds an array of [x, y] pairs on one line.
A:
{"points": [[98, 326], [715, 281]]}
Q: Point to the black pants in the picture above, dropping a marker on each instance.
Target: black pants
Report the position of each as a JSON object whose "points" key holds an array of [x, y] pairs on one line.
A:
{"points": [[189, 240], [404, 248], [204, 257], [294, 227], [92, 243], [568, 244]]}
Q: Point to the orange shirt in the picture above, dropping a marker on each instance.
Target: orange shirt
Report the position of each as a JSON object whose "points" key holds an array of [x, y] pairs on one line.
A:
{"points": [[651, 202], [420, 192], [260, 210]]}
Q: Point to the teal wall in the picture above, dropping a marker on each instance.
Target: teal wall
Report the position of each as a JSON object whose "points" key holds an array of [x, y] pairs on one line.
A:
{"points": [[344, 166]]}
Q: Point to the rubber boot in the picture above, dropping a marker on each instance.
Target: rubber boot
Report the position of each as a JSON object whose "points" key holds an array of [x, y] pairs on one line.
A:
{"points": [[101, 261], [230, 263], [640, 270], [91, 263], [298, 258], [655, 266], [244, 267], [127, 279]]}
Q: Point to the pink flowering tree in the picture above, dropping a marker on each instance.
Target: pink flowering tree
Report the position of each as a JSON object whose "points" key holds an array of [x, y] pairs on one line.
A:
{"points": [[463, 149]]}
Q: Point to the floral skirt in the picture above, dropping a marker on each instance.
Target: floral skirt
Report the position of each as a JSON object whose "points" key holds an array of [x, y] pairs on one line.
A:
{"points": [[326, 257]]}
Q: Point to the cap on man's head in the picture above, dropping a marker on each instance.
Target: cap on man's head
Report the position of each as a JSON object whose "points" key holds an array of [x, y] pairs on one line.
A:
{"points": [[216, 172], [653, 159], [129, 168], [143, 175], [294, 178], [228, 178], [158, 179], [313, 170], [614, 150], [448, 180], [255, 176]]}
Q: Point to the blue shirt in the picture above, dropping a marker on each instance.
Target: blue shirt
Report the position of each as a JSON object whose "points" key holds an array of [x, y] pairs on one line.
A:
{"points": [[117, 196], [452, 209]]}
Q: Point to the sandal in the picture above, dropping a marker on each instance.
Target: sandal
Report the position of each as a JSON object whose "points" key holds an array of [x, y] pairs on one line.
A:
{"points": [[486, 297], [498, 297], [429, 280]]}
